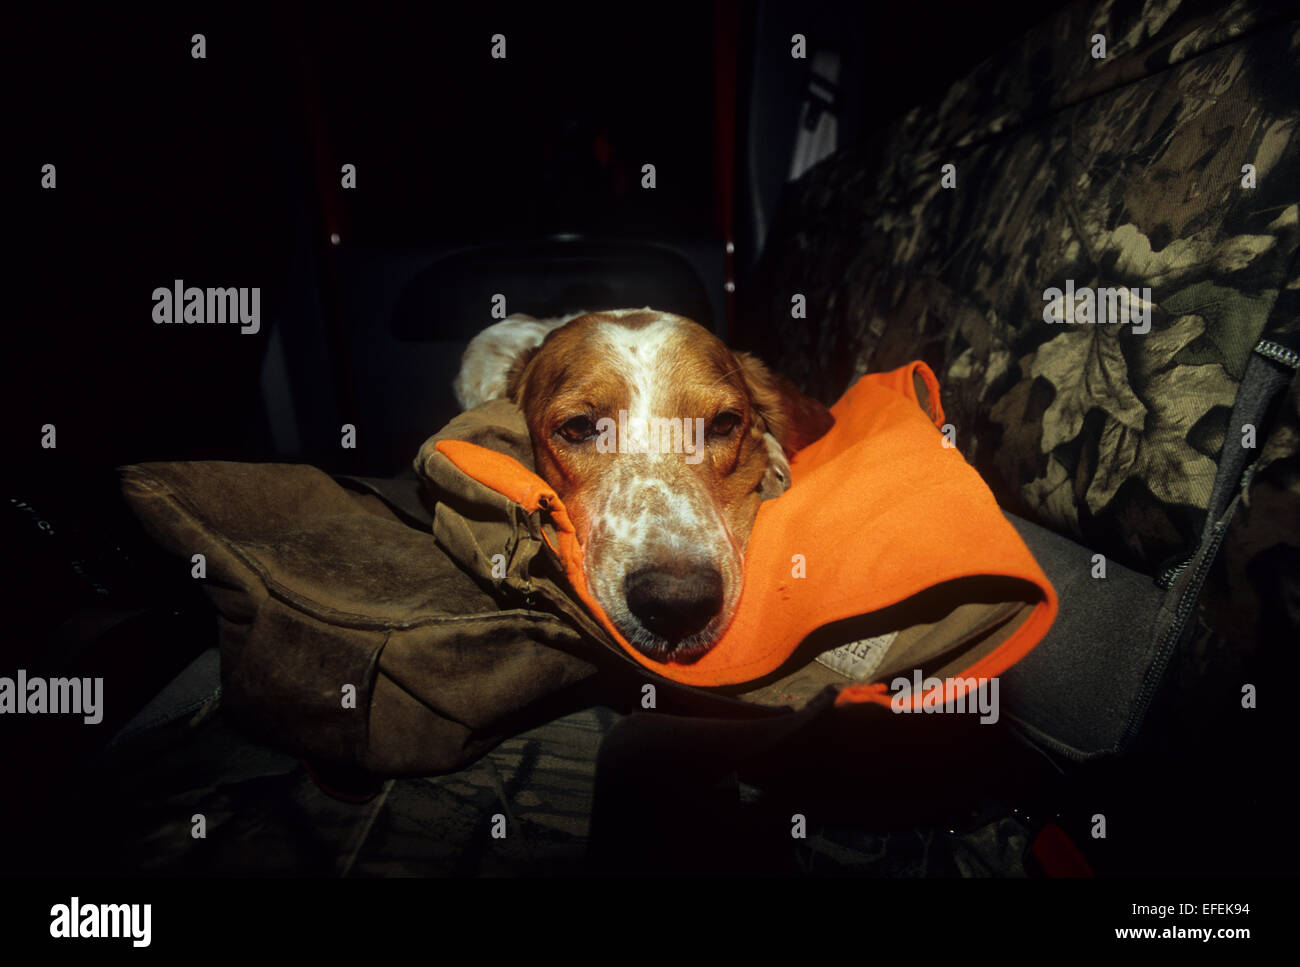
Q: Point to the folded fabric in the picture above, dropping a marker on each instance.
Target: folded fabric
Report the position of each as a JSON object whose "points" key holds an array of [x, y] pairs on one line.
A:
{"points": [[407, 626]]}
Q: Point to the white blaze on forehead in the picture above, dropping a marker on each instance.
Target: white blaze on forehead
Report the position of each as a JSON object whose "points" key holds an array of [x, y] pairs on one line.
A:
{"points": [[642, 358], [643, 511]]}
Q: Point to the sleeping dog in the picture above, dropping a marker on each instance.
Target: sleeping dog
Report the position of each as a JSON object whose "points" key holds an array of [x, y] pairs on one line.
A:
{"points": [[661, 442]]}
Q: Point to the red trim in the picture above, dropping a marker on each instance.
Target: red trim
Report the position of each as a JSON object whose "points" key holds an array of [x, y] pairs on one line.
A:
{"points": [[1057, 855], [726, 32]]}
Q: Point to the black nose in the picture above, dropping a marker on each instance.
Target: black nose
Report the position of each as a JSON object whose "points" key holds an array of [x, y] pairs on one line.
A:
{"points": [[674, 603]]}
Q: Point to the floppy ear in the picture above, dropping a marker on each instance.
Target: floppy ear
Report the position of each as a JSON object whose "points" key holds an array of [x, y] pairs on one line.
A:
{"points": [[495, 353], [794, 418], [515, 374]]}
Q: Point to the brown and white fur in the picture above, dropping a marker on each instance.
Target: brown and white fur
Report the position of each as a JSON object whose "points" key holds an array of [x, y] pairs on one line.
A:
{"points": [[664, 536]]}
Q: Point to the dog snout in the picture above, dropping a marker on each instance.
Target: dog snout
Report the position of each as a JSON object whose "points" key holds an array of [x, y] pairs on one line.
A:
{"points": [[676, 603]]}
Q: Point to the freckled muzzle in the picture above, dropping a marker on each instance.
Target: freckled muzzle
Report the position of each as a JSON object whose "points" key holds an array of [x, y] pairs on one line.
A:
{"points": [[662, 564]]}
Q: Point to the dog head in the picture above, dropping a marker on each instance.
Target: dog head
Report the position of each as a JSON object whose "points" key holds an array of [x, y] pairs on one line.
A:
{"points": [[662, 443]]}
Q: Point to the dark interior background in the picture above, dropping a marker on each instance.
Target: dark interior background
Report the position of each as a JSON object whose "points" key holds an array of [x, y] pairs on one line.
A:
{"points": [[474, 176]]}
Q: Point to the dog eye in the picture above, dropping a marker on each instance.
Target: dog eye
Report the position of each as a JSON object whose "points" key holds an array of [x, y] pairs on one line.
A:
{"points": [[725, 423], [578, 429]]}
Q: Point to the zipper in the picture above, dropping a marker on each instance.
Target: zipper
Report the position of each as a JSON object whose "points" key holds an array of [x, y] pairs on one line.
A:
{"points": [[1167, 577], [1156, 671], [1278, 353]]}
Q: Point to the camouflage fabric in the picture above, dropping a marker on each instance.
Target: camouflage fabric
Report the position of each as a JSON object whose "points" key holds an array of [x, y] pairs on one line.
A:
{"points": [[1070, 171]]}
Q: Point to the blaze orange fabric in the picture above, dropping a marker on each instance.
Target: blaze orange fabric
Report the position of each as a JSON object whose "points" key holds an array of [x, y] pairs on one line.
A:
{"points": [[879, 509]]}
